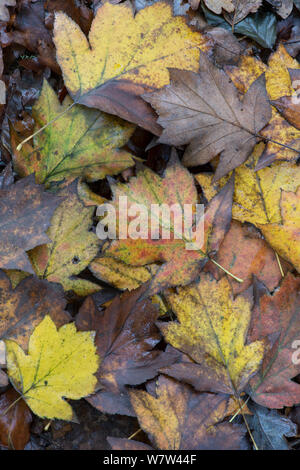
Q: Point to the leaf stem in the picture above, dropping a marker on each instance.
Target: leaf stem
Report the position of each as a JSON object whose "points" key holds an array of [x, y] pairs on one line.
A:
{"points": [[279, 264], [227, 272], [45, 126], [135, 433]]}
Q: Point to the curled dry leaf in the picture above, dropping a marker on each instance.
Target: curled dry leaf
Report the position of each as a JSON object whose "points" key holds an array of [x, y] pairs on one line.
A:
{"points": [[83, 142], [125, 338], [73, 245], [179, 265], [125, 56], [15, 420], [179, 418], [25, 215], [60, 364], [276, 321], [25, 306], [206, 112]]}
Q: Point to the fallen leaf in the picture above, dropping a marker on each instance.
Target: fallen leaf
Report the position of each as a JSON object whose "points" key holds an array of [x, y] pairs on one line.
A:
{"points": [[278, 84], [276, 319], [83, 142], [124, 57], [180, 266], [211, 329], [180, 418], [257, 193], [25, 214], [119, 274], [125, 338], [15, 420], [269, 428], [218, 5], [261, 26], [243, 253], [242, 8], [60, 364], [74, 245], [25, 306], [285, 237], [283, 7], [289, 106], [194, 105]]}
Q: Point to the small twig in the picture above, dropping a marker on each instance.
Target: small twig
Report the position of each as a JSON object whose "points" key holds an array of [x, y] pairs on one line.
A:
{"points": [[227, 272], [135, 433]]}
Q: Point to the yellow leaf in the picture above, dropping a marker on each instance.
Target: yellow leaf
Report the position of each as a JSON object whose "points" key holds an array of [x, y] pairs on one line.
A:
{"points": [[285, 237], [60, 364], [257, 193], [72, 248], [278, 84], [212, 331], [83, 142], [125, 56], [119, 274]]}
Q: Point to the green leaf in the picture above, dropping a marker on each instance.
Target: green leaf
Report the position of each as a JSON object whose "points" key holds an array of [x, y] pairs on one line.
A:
{"points": [[261, 27]]}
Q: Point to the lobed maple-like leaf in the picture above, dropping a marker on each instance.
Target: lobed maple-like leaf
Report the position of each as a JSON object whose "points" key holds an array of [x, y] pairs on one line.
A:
{"points": [[276, 320], [125, 56], [125, 338], [211, 329], [179, 265], [257, 194], [178, 418], [205, 111], [82, 142], [284, 139], [73, 245], [25, 213], [22, 308], [285, 236], [15, 420], [60, 364]]}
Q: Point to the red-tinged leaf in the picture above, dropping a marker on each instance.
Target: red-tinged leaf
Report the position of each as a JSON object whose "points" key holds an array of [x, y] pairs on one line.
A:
{"points": [[276, 319], [15, 420], [180, 266]]}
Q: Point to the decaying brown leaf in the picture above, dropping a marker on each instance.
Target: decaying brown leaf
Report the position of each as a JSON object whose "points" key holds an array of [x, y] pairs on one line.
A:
{"points": [[125, 337], [22, 308], [15, 421], [276, 320], [179, 418], [25, 215], [206, 112]]}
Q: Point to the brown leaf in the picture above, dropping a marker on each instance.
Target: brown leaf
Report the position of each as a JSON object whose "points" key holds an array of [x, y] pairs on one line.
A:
{"points": [[289, 106], [125, 337], [15, 423], [276, 319], [244, 253], [24, 307], [25, 215], [180, 418], [206, 112]]}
